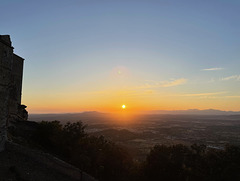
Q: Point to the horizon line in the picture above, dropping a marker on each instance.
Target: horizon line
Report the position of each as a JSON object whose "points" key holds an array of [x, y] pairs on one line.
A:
{"points": [[137, 112]]}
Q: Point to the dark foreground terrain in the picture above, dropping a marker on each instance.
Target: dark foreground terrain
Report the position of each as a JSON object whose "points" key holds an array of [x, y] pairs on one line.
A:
{"points": [[106, 160], [19, 163], [139, 136]]}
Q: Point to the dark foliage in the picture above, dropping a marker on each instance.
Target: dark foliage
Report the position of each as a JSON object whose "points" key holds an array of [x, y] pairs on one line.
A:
{"points": [[193, 163], [95, 155], [107, 161]]}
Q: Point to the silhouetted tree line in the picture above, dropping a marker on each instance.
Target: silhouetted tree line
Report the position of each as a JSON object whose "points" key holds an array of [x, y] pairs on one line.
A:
{"points": [[108, 162]]}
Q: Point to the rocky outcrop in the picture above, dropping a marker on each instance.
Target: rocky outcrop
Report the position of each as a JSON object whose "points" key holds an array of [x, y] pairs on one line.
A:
{"points": [[23, 159], [20, 163]]}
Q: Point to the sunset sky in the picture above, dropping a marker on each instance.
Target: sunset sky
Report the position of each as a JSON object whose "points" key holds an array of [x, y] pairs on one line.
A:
{"points": [[87, 55]]}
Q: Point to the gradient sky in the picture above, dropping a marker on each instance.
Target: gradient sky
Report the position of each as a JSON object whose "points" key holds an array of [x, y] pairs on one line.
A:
{"points": [[83, 55]]}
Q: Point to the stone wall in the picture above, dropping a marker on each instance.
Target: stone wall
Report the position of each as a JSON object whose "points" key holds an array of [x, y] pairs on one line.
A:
{"points": [[11, 71], [6, 58], [16, 84]]}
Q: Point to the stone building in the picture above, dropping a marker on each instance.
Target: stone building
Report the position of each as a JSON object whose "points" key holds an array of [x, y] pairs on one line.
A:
{"points": [[16, 161], [11, 74]]}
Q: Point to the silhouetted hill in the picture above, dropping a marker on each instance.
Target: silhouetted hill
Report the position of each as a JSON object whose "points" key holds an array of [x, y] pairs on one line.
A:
{"points": [[24, 160], [195, 112], [102, 118], [86, 116], [19, 163]]}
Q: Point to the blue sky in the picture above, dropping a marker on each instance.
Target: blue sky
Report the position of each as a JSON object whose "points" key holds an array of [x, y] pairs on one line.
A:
{"points": [[73, 48]]}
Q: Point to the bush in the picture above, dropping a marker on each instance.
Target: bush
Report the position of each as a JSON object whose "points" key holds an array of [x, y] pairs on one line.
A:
{"points": [[95, 155], [106, 161]]}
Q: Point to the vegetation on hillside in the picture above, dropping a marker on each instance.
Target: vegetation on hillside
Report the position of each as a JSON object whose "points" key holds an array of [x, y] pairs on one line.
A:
{"points": [[107, 161]]}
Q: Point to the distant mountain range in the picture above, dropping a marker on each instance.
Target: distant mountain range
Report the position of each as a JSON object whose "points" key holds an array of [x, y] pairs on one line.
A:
{"points": [[195, 112], [88, 116], [96, 116]]}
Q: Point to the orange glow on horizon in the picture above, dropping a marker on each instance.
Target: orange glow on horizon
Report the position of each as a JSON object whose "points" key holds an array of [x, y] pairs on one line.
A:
{"points": [[110, 102]]}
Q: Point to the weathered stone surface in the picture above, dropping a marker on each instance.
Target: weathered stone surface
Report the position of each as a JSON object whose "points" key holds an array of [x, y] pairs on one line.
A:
{"points": [[5, 76], [11, 73], [16, 161], [21, 163]]}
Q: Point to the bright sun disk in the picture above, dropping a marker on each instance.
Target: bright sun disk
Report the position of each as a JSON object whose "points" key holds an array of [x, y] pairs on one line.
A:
{"points": [[123, 106]]}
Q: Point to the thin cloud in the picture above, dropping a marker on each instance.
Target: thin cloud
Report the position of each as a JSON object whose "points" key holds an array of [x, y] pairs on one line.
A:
{"points": [[232, 96], [142, 93], [213, 69], [156, 84], [204, 94], [233, 77], [97, 92], [175, 82], [211, 80], [150, 85]]}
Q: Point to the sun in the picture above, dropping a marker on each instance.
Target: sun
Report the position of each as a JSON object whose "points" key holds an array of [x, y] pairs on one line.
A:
{"points": [[123, 106]]}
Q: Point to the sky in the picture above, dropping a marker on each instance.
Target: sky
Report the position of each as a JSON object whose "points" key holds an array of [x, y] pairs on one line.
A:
{"points": [[96, 55]]}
